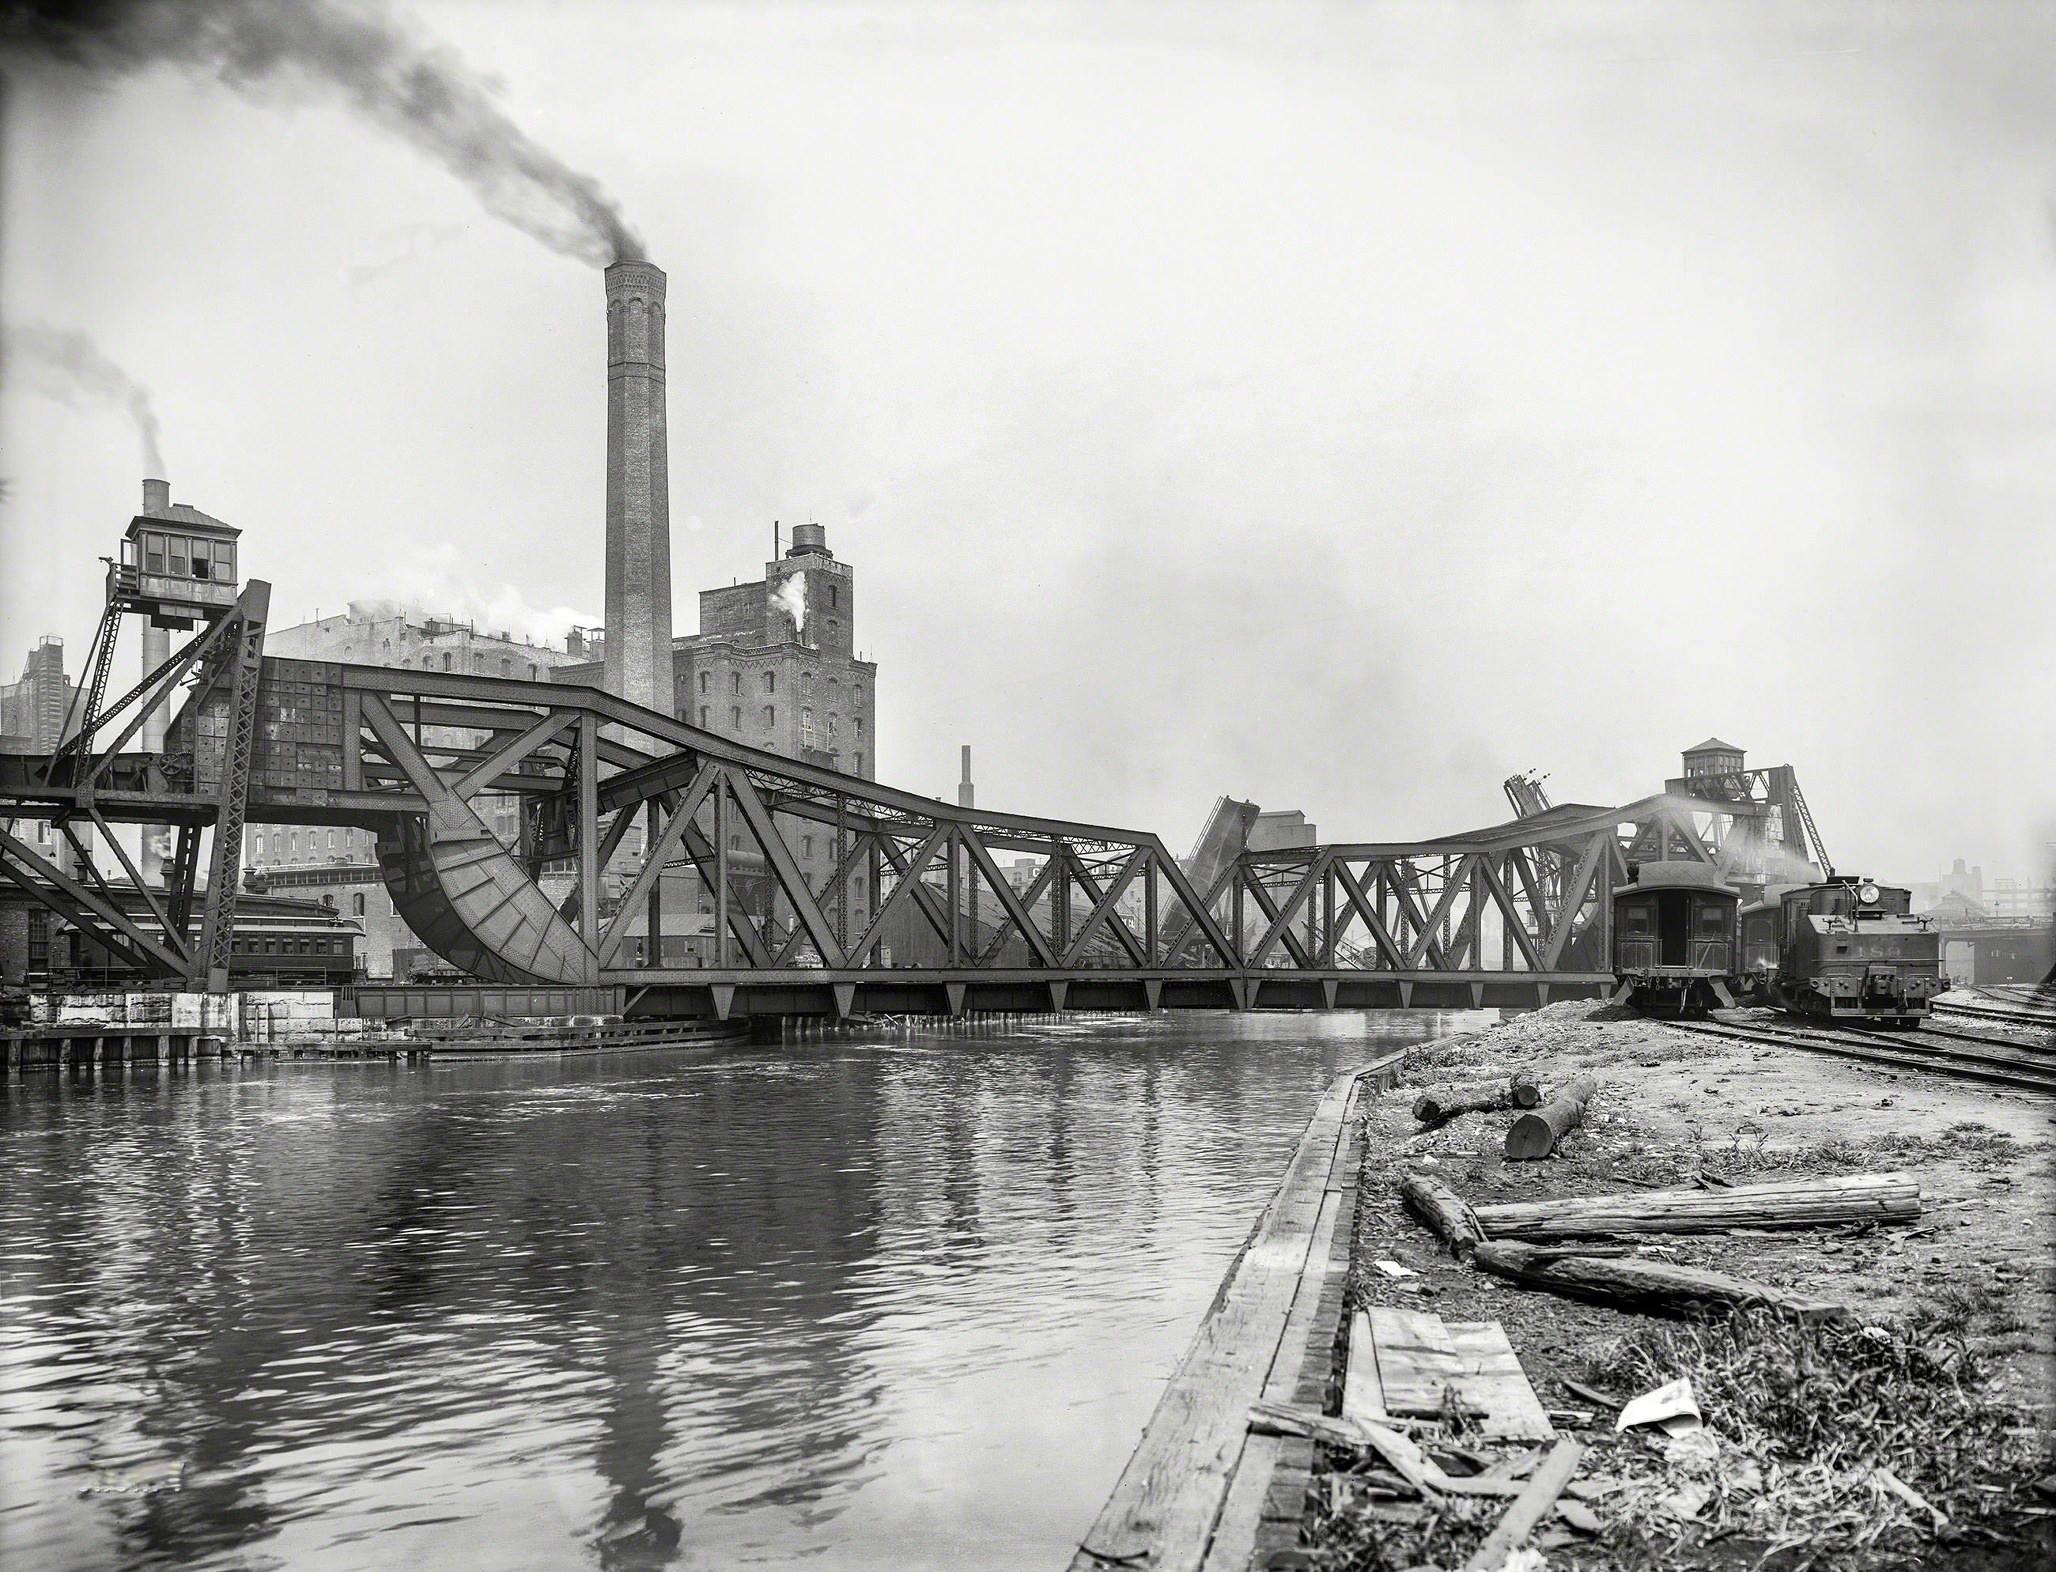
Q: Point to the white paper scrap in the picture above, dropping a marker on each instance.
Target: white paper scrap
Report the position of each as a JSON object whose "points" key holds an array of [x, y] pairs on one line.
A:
{"points": [[1672, 1409]]}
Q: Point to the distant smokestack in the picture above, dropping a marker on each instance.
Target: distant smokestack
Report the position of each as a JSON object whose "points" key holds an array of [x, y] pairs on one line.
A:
{"points": [[966, 793], [157, 499], [638, 647]]}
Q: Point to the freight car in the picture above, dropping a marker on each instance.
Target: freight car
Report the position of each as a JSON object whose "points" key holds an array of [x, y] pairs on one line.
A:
{"points": [[1674, 938], [1846, 950]]}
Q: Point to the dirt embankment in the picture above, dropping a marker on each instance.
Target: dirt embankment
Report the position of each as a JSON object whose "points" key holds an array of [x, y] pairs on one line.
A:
{"points": [[1946, 1381]]}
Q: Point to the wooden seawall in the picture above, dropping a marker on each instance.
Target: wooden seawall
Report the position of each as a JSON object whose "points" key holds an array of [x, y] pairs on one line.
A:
{"points": [[1201, 1492]]}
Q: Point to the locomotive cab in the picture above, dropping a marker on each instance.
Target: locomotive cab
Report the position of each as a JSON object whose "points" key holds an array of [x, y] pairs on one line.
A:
{"points": [[1852, 949], [1674, 937]]}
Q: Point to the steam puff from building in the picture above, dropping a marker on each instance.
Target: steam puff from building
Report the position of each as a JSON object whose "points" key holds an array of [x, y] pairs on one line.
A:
{"points": [[385, 69], [433, 583], [791, 598], [68, 366]]}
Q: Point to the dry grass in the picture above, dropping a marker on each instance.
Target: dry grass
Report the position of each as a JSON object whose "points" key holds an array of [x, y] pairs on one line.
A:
{"points": [[1747, 1150], [1804, 1417]]}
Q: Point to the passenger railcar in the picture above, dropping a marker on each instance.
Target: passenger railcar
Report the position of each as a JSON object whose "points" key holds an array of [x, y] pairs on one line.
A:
{"points": [[1674, 938], [275, 943], [1846, 950]]}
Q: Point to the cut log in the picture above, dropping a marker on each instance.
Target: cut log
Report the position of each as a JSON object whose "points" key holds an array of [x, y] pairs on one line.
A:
{"points": [[1527, 1089], [1446, 1102], [1789, 1203], [1444, 1211], [1535, 1133], [1654, 1286], [1529, 1508]]}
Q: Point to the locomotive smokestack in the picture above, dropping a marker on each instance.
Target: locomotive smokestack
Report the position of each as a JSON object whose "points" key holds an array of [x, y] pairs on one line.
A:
{"points": [[638, 648]]}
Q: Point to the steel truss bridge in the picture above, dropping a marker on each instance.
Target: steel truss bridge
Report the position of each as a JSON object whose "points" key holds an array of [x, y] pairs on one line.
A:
{"points": [[907, 910]]}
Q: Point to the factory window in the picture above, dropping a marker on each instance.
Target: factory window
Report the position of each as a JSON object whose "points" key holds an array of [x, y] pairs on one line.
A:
{"points": [[506, 665], [331, 840], [178, 556], [858, 767], [807, 685], [703, 682], [531, 671], [703, 715], [770, 682], [859, 722], [153, 553], [770, 715], [806, 845], [446, 660], [386, 645], [356, 906], [833, 722], [735, 682], [832, 597], [735, 843], [735, 716], [296, 842], [201, 567]]}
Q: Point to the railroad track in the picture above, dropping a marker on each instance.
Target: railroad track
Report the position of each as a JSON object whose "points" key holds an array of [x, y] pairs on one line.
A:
{"points": [[1991, 1061], [2017, 1015]]}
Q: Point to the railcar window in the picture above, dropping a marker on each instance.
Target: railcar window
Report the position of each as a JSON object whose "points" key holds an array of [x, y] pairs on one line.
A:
{"points": [[1712, 919]]}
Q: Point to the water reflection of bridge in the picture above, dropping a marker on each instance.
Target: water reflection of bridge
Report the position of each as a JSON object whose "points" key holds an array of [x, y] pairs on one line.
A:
{"points": [[909, 910]]}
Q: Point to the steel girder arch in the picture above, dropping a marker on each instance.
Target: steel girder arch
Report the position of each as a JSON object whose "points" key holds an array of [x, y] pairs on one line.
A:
{"points": [[419, 747]]}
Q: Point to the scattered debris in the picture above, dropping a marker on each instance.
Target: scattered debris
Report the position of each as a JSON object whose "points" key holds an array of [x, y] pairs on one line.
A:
{"points": [[1589, 1394], [1671, 1408], [1529, 1508], [1394, 1269], [1580, 1517], [1883, 1476]]}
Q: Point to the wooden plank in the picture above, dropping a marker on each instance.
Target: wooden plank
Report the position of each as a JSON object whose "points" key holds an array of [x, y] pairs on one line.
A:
{"points": [[1165, 1508], [1528, 1509], [1493, 1379], [1416, 1361], [1242, 1508], [1363, 1394]]}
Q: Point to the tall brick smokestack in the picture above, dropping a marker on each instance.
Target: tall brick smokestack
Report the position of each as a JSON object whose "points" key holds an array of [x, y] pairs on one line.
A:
{"points": [[638, 651]]}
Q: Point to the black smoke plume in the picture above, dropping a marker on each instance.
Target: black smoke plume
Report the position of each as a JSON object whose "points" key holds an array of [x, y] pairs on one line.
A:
{"points": [[388, 71], [69, 367]]}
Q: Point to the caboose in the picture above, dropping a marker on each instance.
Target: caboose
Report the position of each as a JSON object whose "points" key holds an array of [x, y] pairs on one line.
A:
{"points": [[1674, 938], [1846, 950]]}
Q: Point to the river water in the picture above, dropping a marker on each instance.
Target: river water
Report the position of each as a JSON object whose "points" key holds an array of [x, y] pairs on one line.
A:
{"points": [[903, 1302]]}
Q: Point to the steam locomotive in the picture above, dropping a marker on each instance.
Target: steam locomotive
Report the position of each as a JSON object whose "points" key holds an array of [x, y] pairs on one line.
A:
{"points": [[1843, 950]]}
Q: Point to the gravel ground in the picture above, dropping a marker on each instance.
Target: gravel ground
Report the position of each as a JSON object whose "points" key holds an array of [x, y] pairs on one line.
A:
{"points": [[1974, 1272]]}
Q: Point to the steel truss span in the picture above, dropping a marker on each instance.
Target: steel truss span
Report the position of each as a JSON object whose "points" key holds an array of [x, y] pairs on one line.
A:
{"points": [[909, 909]]}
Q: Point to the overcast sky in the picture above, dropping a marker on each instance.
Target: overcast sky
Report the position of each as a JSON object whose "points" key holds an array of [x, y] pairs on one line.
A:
{"points": [[1341, 408]]}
